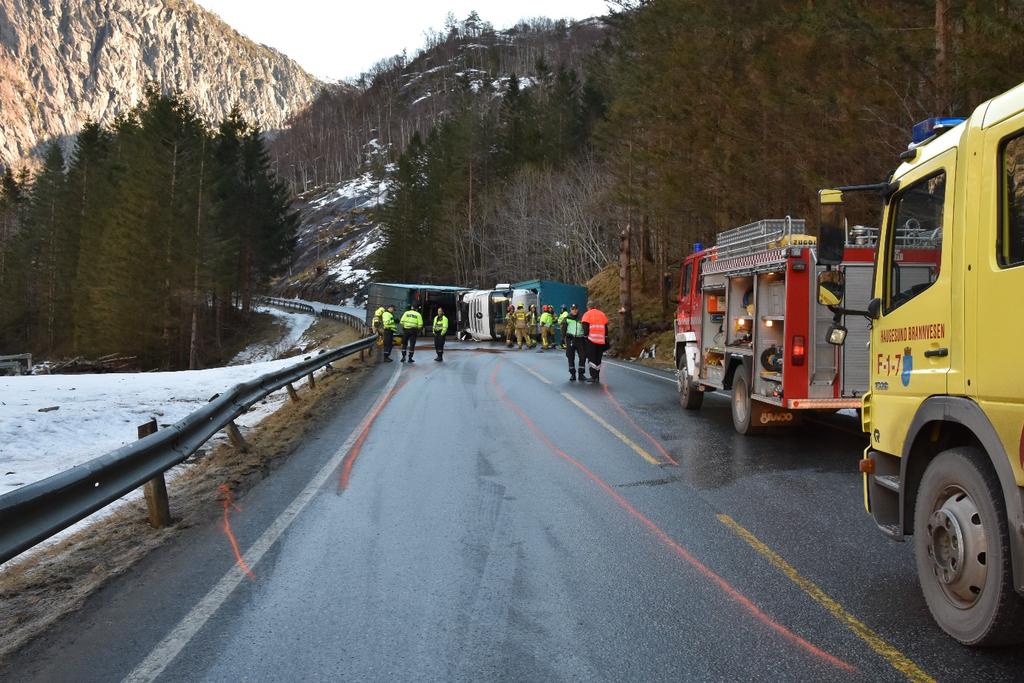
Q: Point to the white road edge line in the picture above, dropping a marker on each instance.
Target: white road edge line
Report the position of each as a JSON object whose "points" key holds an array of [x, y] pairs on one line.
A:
{"points": [[642, 372], [533, 372], [174, 642]]}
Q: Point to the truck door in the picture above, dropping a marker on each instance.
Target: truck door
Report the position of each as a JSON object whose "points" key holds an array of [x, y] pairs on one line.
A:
{"points": [[910, 341], [998, 372]]}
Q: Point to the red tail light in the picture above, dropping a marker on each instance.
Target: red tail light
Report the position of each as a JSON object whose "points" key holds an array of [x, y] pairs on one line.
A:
{"points": [[799, 349]]}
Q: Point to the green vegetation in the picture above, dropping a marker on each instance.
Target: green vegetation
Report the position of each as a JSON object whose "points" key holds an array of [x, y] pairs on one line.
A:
{"points": [[149, 241], [689, 118]]}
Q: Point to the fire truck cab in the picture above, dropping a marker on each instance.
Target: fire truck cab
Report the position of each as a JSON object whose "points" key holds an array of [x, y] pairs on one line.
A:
{"points": [[945, 413]]}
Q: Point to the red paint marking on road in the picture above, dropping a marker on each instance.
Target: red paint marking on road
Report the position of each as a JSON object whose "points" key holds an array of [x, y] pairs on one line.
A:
{"points": [[357, 447], [622, 411], [228, 501], [679, 550]]}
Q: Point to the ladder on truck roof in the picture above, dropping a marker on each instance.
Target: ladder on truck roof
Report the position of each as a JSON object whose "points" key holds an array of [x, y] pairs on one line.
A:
{"points": [[770, 233]]}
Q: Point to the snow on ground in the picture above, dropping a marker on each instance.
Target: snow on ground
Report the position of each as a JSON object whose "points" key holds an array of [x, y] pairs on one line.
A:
{"points": [[295, 325], [98, 413], [345, 270], [368, 190]]}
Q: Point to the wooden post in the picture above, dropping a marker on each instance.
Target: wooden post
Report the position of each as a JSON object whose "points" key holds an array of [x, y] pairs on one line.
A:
{"points": [[237, 440], [312, 382], [292, 394], [155, 489]]}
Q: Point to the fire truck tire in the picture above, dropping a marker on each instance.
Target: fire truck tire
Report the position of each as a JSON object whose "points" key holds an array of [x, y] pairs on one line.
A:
{"points": [[690, 395], [962, 550], [746, 413]]}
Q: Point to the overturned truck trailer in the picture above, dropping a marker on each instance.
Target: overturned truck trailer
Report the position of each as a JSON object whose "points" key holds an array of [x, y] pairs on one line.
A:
{"points": [[426, 298]]}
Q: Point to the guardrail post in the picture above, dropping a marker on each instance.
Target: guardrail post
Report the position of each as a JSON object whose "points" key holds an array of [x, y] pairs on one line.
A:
{"points": [[156, 489], [312, 382], [292, 394], [237, 440]]}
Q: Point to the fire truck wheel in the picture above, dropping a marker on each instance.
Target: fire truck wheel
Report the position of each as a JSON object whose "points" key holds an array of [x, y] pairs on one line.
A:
{"points": [[690, 395], [963, 550], [745, 412]]}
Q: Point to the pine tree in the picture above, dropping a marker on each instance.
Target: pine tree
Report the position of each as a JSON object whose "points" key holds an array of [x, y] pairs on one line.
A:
{"points": [[46, 246]]}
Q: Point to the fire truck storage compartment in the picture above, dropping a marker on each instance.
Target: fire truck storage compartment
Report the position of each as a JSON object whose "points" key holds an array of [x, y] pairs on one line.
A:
{"points": [[740, 300], [713, 321], [769, 337], [855, 354]]}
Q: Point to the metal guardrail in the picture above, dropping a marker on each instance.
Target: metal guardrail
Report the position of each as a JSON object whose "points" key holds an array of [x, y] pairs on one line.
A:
{"points": [[37, 511], [352, 321]]}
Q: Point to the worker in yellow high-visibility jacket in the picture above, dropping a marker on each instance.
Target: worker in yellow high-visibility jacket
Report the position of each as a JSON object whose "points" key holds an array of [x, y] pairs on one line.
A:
{"points": [[440, 330], [388, 329], [412, 323], [547, 328], [562, 317]]}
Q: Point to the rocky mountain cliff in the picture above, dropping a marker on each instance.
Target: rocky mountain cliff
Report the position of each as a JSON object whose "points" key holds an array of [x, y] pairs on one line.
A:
{"points": [[65, 61]]}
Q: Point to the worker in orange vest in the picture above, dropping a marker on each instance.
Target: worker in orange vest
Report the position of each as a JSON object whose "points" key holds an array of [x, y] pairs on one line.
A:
{"points": [[595, 328]]}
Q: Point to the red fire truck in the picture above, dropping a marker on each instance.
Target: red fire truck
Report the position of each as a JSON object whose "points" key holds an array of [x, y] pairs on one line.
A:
{"points": [[749, 320]]}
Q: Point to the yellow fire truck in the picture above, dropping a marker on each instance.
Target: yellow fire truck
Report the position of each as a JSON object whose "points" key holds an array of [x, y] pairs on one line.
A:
{"points": [[945, 408]]}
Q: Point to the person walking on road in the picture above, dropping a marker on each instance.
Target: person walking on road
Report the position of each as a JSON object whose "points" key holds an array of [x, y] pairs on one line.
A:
{"points": [[562, 317], [595, 327], [510, 326], [575, 343], [388, 327], [412, 323], [440, 330], [521, 334]]}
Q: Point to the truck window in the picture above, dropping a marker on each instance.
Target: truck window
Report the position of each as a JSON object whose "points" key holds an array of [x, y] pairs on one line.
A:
{"points": [[1010, 247], [687, 280], [914, 244]]}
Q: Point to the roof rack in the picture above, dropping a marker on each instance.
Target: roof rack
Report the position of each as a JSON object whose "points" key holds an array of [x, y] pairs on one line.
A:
{"points": [[769, 233]]}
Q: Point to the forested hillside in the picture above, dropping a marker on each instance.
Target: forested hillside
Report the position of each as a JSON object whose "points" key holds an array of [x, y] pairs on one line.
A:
{"points": [[545, 150], [150, 241], [530, 152]]}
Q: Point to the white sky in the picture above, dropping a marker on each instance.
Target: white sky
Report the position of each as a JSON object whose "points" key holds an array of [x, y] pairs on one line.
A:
{"points": [[339, 39]]}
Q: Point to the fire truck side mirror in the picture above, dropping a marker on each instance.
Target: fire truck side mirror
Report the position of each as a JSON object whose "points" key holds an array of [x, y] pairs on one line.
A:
{"points": [[831, 228], [831, 288]]}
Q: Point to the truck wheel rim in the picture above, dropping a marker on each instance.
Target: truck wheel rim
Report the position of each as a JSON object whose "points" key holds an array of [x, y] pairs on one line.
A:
{"points": [[958, 548], [739, 404]]}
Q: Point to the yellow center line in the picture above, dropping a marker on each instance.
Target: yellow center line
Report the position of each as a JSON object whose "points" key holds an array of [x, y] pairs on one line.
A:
{"points": [[897, 659], [622, 437]]}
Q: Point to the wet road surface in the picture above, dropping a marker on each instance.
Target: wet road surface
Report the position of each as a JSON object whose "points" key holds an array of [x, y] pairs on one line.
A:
{"points": [[486, 519]]}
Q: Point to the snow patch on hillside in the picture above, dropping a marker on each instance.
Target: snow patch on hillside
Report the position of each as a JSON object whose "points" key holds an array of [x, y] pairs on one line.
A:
{"points": [[351, 268], [362, 192]]}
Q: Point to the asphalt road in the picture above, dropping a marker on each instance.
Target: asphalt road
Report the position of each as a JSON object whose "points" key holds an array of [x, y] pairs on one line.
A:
{"points": [[485, 519]]}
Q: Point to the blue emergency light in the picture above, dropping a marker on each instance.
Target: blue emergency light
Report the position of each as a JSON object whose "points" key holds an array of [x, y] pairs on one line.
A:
{"points": [[936, 125], [698, 247]]}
